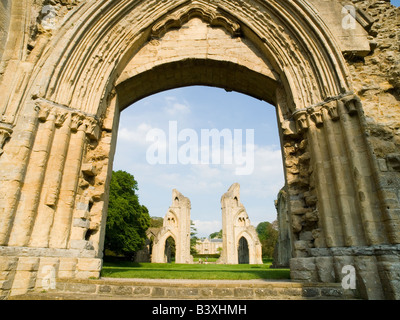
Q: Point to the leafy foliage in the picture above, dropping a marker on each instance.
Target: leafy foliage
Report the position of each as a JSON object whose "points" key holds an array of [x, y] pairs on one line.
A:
{"points": [[193, 238], [268, 235], [216, 235], [156, 222], [127, 220]]}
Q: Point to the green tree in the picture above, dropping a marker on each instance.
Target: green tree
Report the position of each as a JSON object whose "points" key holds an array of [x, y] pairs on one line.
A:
{"points": [[193, 238], [216, 235], [127, 219], [268, 235], [156, 222]]}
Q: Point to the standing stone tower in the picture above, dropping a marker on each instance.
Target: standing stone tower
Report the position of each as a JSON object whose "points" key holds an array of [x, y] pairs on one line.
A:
{"points": [[176, 225], [237, 232]]}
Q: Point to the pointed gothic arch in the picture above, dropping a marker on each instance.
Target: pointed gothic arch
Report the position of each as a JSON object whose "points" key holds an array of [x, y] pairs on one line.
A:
{"points": [[243, 251], [69, 84]]}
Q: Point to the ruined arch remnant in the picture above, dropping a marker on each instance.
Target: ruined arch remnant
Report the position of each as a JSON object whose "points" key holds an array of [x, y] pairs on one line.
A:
{"points": [[240, 243], [68, 68], [176, 225]]}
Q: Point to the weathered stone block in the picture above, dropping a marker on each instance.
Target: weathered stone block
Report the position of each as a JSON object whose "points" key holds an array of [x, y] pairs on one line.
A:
{"points": [[81, 223], [311, 292], [78, 233], [158, 292], [6, 284], [81, 245], [104, 289], [80, 287], [227, 292], [303, 269], [326, 271], [265, 292], [28, 264], [123, 290], [142, 291], [87, 274], [243, 293], [89, 264], [332, 292], [8, 263]]}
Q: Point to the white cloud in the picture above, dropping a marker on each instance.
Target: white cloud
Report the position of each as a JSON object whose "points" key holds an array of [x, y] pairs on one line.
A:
{"points": [[202, 184], [175, 107], [205, 228], [137, 135]]}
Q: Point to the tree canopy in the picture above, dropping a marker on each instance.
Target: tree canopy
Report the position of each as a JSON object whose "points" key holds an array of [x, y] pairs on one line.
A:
{"points": [[268, 235], [193, 238], [216, 235], [127, 219]]}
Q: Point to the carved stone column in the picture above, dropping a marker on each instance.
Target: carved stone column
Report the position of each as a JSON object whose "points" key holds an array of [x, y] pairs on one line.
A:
{"points": [[51, 185], [13, 168], [361, 170], [60, 231], [351, 209], [5, 134], [31, 189]]}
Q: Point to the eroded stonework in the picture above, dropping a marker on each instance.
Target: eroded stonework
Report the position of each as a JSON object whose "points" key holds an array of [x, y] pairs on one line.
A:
{"points": [[240, 243], [176, 225], [330, 67]]}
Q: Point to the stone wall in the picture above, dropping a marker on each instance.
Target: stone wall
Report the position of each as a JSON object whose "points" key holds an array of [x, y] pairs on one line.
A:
{"points": [[208, 246], [236, 226], [149, 289], [5, 16], [284, 247], [69, 67], [176, 224], [376, 79]]}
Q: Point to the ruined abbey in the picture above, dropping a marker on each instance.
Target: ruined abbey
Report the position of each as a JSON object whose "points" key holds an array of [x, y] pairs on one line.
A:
{"points": [[331, 68]]}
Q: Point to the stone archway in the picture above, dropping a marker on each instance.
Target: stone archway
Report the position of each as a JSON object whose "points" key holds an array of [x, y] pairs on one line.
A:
{"points": [[169, 248], [243, 251], [64, 86], [237, 229], [176, 225]]}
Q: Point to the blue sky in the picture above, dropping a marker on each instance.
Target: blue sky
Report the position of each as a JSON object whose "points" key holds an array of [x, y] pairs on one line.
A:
{"points": [[198, 108]]}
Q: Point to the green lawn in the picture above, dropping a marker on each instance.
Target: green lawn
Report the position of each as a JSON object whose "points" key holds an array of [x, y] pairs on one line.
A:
{"points": [[124, 269]]}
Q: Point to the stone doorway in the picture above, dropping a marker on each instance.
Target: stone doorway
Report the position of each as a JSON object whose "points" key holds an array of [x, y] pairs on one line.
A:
{"points": [[243, 251], [268, 168], [66, 77], [170, 250]]}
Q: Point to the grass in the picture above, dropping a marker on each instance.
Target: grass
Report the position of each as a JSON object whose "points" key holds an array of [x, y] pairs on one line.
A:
{"points": [[125, 269]]}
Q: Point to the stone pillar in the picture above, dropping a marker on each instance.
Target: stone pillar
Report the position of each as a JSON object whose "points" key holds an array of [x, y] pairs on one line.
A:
{"points": [[177, 225], [361, 169], [344, 189], [327, 206], [343, 172], [283, 249], [38, 220], [5, 134], [235, 225], [59, 235], [51, 186], [31, 189], [182, 205], [13, 165]]}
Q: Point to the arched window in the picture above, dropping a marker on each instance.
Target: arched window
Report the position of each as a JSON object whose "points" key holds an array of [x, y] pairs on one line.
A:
{"points": [[243, 251]]}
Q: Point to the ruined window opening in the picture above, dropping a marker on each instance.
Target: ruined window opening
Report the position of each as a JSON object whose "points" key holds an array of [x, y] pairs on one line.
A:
{"points": [[170, 250], [243, 251]]}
